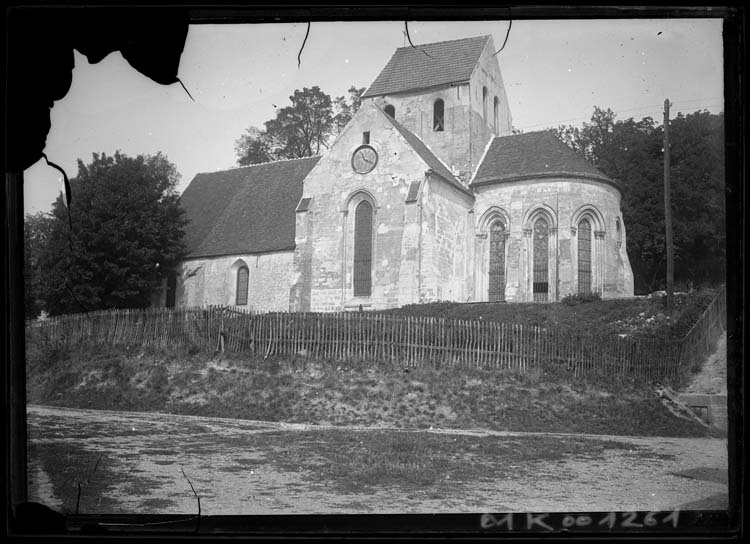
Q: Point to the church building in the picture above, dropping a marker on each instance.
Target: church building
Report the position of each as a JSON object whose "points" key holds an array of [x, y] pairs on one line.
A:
{"points": [[426, 195]]}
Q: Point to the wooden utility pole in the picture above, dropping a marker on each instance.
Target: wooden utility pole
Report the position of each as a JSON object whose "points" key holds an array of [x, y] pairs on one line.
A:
{"points": [[668, 212]]}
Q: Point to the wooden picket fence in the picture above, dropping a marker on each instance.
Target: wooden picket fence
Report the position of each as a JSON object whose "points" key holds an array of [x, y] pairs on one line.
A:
{"points": [[405, 340], [699, 342]]}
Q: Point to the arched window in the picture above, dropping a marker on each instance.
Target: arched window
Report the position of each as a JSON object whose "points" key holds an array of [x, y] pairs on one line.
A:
{"points": [[496, 285], [390, 110], [496, 115], [484, 103], [541, 260], [438, 116], [584, 256], [243, 275], [618, 229], [363, 249]]}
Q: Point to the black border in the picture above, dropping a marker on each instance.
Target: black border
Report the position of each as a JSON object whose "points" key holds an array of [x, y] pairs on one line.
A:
{"points": [[703, 525]]}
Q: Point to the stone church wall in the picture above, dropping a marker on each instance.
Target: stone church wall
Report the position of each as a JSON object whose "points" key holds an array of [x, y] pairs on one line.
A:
{"points": [[445, 249], [564, 200], [415, 112], [213, 281], [482, 127], [335, 190]]}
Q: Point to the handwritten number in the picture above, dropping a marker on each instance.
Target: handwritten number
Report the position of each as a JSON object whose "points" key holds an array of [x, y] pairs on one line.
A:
{"points": [[673, 517], [608, 520], [487, 521], [628, 521]]}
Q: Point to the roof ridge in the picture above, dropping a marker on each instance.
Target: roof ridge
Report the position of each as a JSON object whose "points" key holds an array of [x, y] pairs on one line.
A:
{"points": [[444, 41], [261, 164], [540, 131]]}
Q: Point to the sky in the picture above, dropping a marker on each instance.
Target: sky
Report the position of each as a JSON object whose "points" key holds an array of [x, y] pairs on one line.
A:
{"points": [[554, 72]]}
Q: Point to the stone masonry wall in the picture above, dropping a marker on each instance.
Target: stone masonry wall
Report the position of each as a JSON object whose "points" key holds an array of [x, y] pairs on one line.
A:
{"points": [[335, 189], [213, 281], [483, 129], [445, 253], [415, 112], [562, 198], [409, 269]]}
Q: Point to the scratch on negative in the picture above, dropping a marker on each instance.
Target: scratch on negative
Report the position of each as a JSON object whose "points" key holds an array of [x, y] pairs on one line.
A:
{"points": [[507, 33], [299, 55], [185, 89], [406, 25]]}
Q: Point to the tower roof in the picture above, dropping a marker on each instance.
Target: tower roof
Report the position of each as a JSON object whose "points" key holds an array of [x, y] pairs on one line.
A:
{"points": [[428, 65]]}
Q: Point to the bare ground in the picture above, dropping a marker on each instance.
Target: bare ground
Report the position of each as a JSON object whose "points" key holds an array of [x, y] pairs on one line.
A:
{"points": [[234, 470]]}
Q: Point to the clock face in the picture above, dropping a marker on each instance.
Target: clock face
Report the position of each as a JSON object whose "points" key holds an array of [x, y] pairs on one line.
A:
{"points": [[364, 159]]}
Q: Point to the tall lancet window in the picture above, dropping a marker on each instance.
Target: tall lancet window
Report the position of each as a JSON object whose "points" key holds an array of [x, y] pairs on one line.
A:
{"points": [[484, 104], [243, 275], [496, 286], [438, 116], [363, 249], [496, 115], [584, 256], [541, 260]]}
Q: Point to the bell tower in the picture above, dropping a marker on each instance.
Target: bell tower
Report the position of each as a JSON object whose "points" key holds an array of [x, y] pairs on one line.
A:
{"points": [[450, 94]]}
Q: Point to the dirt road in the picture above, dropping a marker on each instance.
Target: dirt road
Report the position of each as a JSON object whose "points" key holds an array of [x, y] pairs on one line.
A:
{"points": [[134, 463]]}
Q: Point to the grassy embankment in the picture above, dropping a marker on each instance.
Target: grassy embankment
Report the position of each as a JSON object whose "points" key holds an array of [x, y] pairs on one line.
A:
{"points": [[366, 393]]}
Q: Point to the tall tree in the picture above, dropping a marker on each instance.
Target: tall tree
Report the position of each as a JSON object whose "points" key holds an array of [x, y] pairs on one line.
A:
{"points": [[36, 233], [302, 129], [630, 152], [127, 231], [253, 147], [345, 109]]}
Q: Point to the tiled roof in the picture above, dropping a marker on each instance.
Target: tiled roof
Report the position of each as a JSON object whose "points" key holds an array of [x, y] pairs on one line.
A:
{"points": [[244, 210], [428, 65], [435, 164], [530, 155]]}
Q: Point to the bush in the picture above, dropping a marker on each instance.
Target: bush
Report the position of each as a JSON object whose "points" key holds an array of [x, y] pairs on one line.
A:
{"points": [[581, 298], [158, 379]]}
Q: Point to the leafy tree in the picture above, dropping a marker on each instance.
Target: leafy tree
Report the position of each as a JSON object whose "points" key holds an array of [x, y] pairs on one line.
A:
{"points": [[253, 147], [631, 152], [36, 232], [127, 230], [299, 130], [345, 109]]}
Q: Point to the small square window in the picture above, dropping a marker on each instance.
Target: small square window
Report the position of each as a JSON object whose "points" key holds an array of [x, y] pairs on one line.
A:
{"points": [[366, 137]]}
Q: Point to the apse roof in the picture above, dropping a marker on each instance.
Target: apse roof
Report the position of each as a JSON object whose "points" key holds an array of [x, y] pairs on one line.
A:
{"points": [[533, 155]]}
